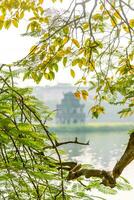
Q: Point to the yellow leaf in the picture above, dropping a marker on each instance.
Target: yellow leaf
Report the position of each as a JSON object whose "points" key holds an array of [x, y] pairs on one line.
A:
{"points": [[101, 7], [125, 28], [65, 40], [97, 16], [85, 26], [17, 15], [84, 94], [113, 21], [46, 20], [68, 50], [7, 24], [41, 1], [21, 15], [91, 66], [76, 43], [106, 13], [83, 59], [95, 97], [100, 109], [80, 63], [33, 48], [81, 51], [15, 23], [117, 14], [1, 24], [97, 110], [2, 17], [131, 56], [60, 53], [72, 72], [74, 62], [77, 94], [131, 23]]}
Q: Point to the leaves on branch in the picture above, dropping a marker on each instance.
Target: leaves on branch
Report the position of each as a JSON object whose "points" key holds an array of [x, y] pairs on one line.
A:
{"points": [[92, 43]]}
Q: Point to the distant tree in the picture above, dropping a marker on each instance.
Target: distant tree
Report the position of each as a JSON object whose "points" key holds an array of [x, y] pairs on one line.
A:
{"points": [[94, 37]]}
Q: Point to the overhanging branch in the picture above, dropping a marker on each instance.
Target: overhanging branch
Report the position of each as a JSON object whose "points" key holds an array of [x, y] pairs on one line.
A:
{"points": [[108, 177], [71, 142]]}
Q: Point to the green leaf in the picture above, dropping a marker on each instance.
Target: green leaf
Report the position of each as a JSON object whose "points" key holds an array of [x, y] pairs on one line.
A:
{"points": [[55, 66], [72, 72], [7, 23], [26, 75], [66, 30], [75, 62], [64, 61], [15, 22], [6, 177], [21, 15], [52, 75]]}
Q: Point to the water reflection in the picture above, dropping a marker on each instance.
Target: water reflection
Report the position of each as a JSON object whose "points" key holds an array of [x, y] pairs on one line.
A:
{"points": [[104, 149], [103, 152]]}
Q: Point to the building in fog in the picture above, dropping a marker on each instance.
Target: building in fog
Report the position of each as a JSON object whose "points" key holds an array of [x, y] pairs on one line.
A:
{"points": [[70, 110], [53, 95]]}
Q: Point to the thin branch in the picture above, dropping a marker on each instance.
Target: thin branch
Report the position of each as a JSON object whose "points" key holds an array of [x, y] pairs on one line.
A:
{"points": [[71, 142], [40, 42], [127, 5]]}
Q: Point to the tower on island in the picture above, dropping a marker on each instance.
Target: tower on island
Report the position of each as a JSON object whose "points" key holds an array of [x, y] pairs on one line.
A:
{"points": [[70, 110]]}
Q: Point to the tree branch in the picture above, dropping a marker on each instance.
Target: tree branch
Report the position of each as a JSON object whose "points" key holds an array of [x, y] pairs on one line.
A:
{"points": [[71, 142], [108, 177], [57, 144]]}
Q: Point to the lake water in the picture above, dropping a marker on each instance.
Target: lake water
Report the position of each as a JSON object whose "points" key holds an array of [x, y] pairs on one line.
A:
{"points": [[104, 150]]}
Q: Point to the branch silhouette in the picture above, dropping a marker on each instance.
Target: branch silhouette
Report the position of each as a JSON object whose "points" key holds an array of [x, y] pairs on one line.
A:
{"points": [[108, 177]]}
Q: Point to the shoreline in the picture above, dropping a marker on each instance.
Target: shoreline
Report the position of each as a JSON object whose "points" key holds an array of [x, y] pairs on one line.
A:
{"points": [[87, 127]]}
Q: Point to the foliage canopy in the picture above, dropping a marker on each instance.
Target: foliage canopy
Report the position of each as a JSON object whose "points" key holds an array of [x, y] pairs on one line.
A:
{"points": [[95, 37]]}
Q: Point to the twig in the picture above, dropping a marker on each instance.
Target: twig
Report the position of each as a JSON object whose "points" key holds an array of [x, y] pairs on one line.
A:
{"points": [[71, 142]]}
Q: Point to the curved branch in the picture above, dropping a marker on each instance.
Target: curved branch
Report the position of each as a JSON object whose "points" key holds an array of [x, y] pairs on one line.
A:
{"points": [[108, 177]]}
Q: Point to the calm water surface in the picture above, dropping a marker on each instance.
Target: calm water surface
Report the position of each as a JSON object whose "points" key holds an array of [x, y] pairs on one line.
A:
{"points": [[104, 148], [103, 152]]}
